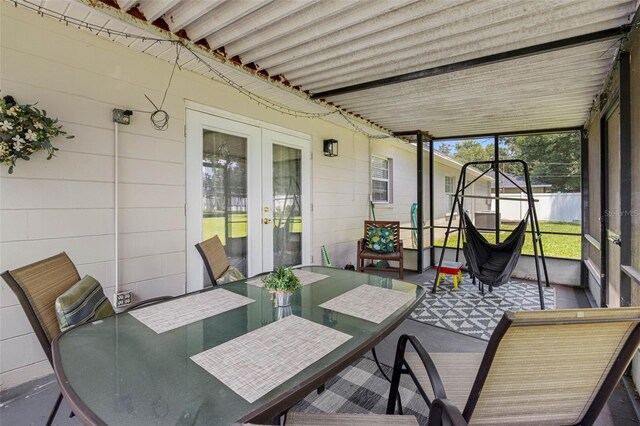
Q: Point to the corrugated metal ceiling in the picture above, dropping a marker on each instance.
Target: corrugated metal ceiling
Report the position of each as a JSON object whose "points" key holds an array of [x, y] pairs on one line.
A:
{"points": [[319, 45]]}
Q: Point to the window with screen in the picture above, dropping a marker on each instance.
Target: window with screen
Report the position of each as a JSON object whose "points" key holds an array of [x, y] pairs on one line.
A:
{"points": [[449, 191], [380, 179]]}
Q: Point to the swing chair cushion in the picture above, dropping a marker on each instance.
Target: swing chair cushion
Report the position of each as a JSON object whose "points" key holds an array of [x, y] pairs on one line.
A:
{"points": [[381, 240]]}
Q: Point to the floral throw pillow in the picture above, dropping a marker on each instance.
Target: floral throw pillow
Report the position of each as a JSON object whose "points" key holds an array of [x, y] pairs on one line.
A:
{"points": [[381, 240]]}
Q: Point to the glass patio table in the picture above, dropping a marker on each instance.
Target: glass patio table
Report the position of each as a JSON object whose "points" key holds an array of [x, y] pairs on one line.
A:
{"points": [[118, 371]]}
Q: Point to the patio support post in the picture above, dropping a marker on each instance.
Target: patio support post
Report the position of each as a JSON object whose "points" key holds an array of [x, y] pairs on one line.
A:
{"points": [[625, 176], [420, 212], [584, 178], [496, 158], [604, 204], [432, 253]]}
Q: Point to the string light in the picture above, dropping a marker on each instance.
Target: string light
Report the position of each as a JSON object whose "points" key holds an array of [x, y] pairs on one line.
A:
{"points": [[159, 117]]}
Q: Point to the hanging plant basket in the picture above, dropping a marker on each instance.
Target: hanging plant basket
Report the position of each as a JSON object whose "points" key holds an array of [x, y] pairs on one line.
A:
{"points": [[25, 129]]}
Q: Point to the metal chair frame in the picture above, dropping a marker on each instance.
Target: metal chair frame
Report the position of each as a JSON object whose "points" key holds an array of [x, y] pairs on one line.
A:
{"points": [[443, 409]]}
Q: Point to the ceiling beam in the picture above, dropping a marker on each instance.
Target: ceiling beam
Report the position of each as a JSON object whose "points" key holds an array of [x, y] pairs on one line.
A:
{"points": [[412, 133], [510, 133], [476, 62]]}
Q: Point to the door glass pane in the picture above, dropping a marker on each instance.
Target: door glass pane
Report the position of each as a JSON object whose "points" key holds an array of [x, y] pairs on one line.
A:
{"points": [[224, 194], [287, 214]]}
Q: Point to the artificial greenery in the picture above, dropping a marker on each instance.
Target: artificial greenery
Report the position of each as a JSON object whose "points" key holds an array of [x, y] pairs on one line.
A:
{"points": [[25, 129], [282, 280]]}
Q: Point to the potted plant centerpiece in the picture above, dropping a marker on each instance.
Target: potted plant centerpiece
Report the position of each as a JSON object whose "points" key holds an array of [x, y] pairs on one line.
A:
{"points": [[282, 282]]}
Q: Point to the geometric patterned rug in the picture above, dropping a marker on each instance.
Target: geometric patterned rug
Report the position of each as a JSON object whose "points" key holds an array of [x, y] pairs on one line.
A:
{"points": [[361, 389], [469, 312]]}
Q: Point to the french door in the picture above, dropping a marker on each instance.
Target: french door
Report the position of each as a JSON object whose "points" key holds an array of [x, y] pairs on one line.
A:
{"points": [[613, 206], [250, 186]]}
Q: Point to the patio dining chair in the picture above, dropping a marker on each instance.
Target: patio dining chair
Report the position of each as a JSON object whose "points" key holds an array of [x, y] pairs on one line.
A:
{"points": [[540, 367], [37, 286], [216, 262], [381, 242]]}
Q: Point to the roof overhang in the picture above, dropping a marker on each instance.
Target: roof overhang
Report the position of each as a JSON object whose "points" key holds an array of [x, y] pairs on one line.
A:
{"points": [[500, 65]]}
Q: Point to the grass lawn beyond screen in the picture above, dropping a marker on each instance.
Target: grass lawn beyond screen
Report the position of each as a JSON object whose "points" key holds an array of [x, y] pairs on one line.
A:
{"points": [[238, 223], [564, 246]]}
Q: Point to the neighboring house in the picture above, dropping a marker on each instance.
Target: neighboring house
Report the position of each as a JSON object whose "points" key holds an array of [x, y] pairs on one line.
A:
{"points": [[508, 187], [393, 186]]}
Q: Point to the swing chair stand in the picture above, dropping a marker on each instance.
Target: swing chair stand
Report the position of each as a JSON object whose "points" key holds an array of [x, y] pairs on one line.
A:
{"points": [[493, 264]]}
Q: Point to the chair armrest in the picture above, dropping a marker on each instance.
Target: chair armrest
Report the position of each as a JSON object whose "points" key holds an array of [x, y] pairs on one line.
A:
{"points": [[443, 409], [361, 243], [434, 377], [400, 245], [432, 371], [148, 302]]}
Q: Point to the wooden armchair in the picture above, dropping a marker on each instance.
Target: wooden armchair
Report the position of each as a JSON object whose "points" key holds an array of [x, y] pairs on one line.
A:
{"points": [[540, 367], [365, 253]]}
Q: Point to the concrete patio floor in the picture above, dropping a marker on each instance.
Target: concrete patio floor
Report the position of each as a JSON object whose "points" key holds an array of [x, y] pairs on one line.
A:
{"points": [[29, 404]]}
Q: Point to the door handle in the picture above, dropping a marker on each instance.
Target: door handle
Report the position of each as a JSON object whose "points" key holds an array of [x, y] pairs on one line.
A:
{"points": [[617, 241], [266, 221]]}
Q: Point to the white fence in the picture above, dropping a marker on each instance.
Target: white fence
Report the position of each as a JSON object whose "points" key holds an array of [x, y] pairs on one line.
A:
{"points": [[553, 207]]}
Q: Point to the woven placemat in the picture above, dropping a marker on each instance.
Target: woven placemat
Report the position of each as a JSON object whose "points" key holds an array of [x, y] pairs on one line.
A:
{"points": [[369, 302], [305, 277], [185, 310], [257, 362]]}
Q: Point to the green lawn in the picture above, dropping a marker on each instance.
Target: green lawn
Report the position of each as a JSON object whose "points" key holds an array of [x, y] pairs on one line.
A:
{"points": [[215, 226], [565, 246]]}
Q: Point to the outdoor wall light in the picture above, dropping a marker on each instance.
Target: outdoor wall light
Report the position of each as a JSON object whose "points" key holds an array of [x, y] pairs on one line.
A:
{"points": [[330, 148]]}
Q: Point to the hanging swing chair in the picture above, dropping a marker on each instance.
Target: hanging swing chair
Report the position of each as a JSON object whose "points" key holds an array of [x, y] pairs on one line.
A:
{"points": [[493, 263]]}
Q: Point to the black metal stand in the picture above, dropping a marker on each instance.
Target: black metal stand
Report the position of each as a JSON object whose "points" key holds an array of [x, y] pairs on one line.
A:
{"points": [[536, 235], [375, 358]]}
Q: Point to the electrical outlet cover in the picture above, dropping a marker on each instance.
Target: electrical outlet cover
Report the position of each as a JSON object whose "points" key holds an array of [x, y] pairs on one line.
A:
{"points": [[122, 299], [121, 116]]}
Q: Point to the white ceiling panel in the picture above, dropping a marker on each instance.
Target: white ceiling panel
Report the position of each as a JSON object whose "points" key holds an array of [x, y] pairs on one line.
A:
{"points": [[322, 45]]}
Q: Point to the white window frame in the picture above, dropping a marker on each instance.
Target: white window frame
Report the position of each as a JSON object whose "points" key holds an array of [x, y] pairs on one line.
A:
{"points": [[449, 196], [388, 180]]}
